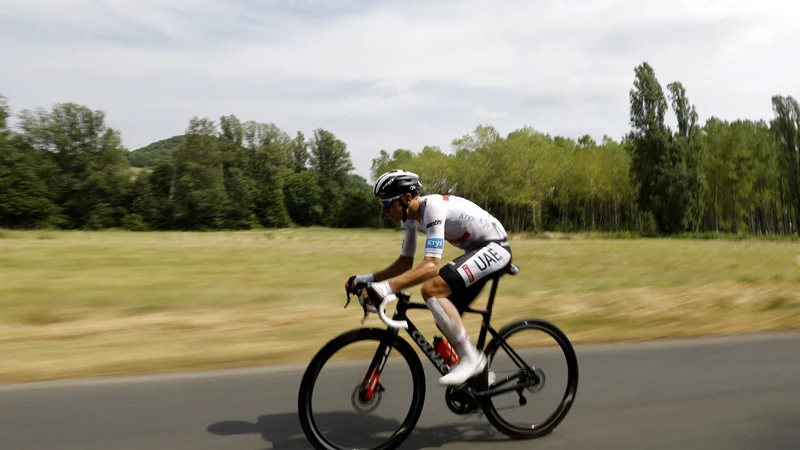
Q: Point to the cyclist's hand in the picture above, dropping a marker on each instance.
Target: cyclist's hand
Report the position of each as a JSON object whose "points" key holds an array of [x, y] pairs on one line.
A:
{"points": [[367, 303], [351, 282], [377, 292]]}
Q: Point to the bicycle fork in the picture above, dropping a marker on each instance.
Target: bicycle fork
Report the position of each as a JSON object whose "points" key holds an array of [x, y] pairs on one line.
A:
{"points": [[370, 383]]}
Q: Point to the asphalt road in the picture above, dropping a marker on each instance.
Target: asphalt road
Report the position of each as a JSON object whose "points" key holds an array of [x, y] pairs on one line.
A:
{"points": [[726, 394]]}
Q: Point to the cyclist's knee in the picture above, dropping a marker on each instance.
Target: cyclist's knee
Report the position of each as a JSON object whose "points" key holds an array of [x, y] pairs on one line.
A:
{"points": [[435, 287]]}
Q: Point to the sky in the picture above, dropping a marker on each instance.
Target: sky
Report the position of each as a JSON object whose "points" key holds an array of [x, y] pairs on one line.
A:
{"points": [[393, 74]]}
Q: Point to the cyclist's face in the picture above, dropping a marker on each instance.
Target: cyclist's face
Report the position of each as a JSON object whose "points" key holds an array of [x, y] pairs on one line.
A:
{"points": [[392, 208]]}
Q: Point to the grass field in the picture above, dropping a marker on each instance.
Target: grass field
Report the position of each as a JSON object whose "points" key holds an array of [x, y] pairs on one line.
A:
{"points": [[109, 303]]}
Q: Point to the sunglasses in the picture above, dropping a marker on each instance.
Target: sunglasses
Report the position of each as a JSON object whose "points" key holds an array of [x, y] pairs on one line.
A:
{"points": [[387, 203]]}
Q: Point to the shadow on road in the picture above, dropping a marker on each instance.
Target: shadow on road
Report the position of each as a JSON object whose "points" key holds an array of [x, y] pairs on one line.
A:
{"points": [[285, 433]]}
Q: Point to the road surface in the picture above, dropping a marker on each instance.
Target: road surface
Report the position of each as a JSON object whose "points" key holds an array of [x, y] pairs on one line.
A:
{"points": [[716, 394]]}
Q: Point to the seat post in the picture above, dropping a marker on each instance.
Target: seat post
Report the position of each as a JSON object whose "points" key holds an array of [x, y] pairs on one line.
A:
{"points": [[495, 281]]}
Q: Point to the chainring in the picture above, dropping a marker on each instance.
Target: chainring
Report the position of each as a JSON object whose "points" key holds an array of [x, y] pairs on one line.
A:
{"points": [[460, 401]]}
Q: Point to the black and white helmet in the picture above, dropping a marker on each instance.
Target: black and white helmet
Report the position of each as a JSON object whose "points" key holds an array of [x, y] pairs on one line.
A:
{"points": [[396, 182]]}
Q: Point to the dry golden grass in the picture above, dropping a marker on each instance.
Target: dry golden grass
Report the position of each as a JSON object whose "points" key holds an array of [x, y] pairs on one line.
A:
{"points": [[109, 303]]}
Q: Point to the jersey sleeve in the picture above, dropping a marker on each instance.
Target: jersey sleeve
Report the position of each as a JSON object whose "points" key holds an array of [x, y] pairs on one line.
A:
{"points": [[434, 219], [409, 245]]}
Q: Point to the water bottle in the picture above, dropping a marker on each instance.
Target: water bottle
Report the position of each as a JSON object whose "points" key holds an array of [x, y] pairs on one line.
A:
{"points": [[445, 350]]}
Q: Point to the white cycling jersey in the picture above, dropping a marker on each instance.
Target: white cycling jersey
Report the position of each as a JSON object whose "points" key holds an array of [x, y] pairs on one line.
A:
{"points": [[449, 218]]}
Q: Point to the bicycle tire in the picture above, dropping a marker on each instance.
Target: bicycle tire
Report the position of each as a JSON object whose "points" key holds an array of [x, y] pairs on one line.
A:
{"points": [[318, 361], [569, 393]]}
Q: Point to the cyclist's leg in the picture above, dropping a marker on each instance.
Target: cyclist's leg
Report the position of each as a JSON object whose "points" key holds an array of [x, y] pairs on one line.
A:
{"points": [[446, 316], [435, 293], [448, 320], [448, 294], [462, 279]]}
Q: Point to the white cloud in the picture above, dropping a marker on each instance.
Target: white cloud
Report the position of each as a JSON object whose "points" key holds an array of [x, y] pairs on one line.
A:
{"points": [[483, 113], [393, 74]]}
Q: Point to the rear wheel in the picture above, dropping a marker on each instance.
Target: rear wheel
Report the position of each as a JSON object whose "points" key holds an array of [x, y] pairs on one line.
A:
{"points": [[366, 396], [528, 378]]}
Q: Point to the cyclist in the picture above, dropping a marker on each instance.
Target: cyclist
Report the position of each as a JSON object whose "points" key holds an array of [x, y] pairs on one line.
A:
{"points": [[446, 291]]}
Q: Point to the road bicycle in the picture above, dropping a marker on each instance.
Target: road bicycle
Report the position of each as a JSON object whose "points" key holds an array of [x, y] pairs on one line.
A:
{"points": [[475, 395]]}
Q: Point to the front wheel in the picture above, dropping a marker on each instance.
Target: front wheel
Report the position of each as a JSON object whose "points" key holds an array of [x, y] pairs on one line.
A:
{"points": [[363, 387], [527, 377]]}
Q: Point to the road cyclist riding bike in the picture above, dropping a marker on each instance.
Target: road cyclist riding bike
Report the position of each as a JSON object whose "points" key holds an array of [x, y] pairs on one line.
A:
{"points": [[476, 381], [453, 287]]}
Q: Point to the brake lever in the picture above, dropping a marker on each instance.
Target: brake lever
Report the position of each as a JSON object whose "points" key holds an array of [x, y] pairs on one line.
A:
{"points": [[347, 290], [357, 293]]}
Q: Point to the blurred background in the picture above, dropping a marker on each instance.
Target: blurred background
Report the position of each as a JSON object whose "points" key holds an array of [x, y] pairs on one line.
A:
{"points": [[185, 186]]}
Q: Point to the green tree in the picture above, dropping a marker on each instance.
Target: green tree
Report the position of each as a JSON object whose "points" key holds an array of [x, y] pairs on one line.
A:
{"points": [[331, 160], [26, 199], [687, 157], [93, 172], [786, 127], [197, 188], [667, 168], [269, 152], [650, 138], [329, 156]]}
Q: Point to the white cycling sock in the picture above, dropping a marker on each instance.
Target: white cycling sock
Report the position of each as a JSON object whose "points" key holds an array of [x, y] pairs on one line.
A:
{"points": [[464, 346]]}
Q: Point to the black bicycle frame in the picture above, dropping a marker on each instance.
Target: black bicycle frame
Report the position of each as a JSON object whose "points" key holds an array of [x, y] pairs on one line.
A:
{"points": [[404, 304]]}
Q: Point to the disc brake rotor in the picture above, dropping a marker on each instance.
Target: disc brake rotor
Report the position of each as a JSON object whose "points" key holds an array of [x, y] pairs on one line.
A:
{"points": [[540, 385], [365, 406]]}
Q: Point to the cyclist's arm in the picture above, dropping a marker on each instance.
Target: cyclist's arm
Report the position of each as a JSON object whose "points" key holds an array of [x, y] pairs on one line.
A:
{"points": [[427, 269], [405, 261], [434, 219], [400, 265]]}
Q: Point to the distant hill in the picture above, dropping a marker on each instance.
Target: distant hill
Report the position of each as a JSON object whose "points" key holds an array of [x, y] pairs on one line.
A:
{"points": [[151, 154]]}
